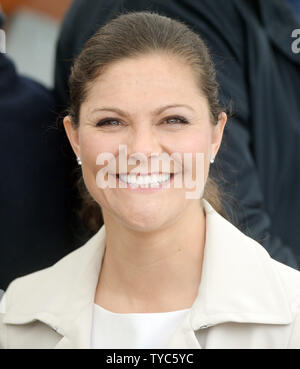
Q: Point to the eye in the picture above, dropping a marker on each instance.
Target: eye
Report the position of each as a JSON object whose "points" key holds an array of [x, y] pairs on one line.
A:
{"points": [[176, 120], [108, 122]]}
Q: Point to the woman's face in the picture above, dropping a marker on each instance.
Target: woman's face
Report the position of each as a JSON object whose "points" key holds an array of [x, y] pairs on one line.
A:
{"points": [[153, 105]]}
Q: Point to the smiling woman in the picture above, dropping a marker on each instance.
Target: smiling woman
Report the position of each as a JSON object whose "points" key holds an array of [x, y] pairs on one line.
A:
{"points": [[165, 270], [139, 76], [166, 57]]}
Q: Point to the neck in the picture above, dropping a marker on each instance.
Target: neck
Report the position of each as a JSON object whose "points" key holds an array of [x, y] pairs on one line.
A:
{"points": [[152, 272]]}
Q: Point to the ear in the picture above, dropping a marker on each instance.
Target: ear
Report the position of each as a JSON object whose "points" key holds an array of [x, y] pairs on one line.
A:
{"points": [[218, 130], [73, 134]]}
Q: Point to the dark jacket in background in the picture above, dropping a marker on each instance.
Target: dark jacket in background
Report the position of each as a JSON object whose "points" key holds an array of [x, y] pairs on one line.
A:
{"points": [[259, 161], [35, 204]]}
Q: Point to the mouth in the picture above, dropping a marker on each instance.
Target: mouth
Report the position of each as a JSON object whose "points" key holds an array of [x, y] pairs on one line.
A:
{"points": [[148, 180]]}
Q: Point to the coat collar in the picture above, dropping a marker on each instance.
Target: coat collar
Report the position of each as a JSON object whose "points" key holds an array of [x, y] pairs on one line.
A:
{"points": [[239, 284]]}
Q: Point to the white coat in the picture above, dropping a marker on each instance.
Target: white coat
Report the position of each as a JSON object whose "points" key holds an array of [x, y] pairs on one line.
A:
{"points": [[245, 298]]}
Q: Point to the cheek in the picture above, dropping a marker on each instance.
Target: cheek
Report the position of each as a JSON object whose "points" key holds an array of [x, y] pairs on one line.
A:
{"points": [[198, 147], [196, 144], [92, 144]]}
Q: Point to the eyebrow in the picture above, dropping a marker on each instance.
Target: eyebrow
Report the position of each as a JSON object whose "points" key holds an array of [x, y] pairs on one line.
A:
{"points": [[154, 112]]}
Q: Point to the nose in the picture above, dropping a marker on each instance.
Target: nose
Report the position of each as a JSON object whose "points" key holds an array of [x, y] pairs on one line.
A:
{"points": [[143, 140]]}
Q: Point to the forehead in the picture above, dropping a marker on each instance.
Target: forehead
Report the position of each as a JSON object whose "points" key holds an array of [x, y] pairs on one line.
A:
{"points": [[145, 80]]}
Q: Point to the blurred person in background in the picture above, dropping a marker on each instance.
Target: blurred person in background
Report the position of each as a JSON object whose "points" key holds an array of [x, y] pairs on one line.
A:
{"points": [[34, 187], [295, 4], [258, 167]]}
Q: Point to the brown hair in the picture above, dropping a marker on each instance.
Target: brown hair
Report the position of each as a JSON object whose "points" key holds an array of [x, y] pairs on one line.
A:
{"points": [[131, 35]]}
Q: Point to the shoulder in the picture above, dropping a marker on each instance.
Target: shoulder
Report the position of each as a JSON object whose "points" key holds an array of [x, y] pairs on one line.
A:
{"points": [[245, 251], [2, 328], [290, 279], [2, 302], [36, 290]]}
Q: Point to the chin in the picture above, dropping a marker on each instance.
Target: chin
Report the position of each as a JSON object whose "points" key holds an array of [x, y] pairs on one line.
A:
{"points": [[143, 215], [141, 222]]}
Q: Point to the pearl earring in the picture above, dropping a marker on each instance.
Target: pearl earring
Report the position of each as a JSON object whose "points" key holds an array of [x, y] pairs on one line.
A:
{"points": [[212, 160], [78, 160]]}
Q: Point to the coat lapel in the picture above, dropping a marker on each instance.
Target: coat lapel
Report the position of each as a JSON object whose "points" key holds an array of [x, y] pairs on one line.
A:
{"points": [[77, 333]]}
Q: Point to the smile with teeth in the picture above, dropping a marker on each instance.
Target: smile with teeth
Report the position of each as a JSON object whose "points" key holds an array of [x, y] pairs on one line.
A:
{"points": [[153, 180]]}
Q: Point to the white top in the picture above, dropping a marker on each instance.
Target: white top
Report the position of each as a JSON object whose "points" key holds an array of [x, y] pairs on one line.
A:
{"points": [[146, 330]]}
